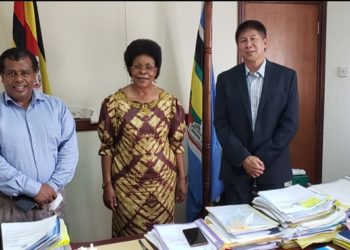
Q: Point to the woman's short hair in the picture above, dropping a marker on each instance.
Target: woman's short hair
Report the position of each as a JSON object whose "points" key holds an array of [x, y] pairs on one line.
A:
{"points": [[143, 47]]}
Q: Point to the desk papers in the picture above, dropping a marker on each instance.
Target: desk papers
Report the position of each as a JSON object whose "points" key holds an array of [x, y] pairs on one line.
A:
{"points": [[293, 204], [243, 227], [241, 219], [306, 216], [171, 237], [35, 235], [339, 190], [343, 239]]}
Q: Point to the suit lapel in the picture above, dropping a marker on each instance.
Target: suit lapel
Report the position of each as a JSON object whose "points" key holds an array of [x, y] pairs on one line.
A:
{"points": [[266, 89], [243, 91]]}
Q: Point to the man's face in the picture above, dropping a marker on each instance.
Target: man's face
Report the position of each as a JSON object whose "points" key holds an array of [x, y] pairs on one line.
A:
{"points": [[18, 79], [251, 46]]}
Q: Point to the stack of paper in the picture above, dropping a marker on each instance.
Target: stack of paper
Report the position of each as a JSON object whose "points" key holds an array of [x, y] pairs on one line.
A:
{"points": [[241, 219], [243, 226], [293, 204], [338, 190], [343, 239], [324, 237], [316, 231], [306, 216], [171, 237], [43, 234]]}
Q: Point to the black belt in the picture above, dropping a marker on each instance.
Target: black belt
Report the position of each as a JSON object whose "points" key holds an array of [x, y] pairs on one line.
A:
{"points": [[5, 196]]}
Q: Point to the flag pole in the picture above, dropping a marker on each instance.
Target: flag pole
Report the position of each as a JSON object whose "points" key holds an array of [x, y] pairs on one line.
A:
{"points": [[206, 104], [26, 33]]}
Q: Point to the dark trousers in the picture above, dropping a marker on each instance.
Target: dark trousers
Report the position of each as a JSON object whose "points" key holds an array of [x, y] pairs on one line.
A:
{"points": [[9, 212]]}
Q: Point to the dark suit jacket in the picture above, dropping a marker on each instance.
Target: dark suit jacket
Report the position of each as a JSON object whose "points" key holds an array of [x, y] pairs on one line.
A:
{"points": [[276, 123]]}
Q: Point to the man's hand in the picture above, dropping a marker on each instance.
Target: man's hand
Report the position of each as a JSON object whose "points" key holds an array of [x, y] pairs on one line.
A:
{"points": [[253, 166], [46, 194]]}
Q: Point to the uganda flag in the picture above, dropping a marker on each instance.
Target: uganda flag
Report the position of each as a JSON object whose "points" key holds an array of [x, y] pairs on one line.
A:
{"points": [[195, 132], [27, 34]]}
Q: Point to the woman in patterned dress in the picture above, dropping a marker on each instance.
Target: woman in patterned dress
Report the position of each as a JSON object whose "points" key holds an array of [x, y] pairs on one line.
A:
{"points": [[141, 128]]}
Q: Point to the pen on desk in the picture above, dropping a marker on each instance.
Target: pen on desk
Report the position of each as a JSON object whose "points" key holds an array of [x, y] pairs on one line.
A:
{"points": [[142, 245]]}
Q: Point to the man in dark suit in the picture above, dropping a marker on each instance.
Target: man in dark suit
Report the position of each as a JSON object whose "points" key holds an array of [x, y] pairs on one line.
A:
{"points": [[256, 117]]}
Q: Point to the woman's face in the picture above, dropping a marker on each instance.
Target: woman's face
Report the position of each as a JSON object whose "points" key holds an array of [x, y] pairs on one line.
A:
{"points": [[143, 71]]}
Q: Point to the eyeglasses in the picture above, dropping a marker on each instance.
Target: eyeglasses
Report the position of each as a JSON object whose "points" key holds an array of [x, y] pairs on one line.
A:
{"points": [[22, 73], [147, 67]]}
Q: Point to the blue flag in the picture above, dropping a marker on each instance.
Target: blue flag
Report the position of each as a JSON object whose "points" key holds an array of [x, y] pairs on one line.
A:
{"points": [[195, 129]]}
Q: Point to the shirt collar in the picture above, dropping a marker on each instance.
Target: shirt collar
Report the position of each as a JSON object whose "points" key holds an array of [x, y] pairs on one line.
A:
{"points": [[260, 71], [36, 95]]}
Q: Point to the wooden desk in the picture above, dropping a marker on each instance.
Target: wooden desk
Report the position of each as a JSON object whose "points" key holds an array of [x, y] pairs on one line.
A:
{"points": [[136, 237], [106, 242]]}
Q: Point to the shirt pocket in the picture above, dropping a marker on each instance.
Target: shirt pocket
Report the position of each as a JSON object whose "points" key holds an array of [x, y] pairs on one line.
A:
{"points": [[53, 137]]}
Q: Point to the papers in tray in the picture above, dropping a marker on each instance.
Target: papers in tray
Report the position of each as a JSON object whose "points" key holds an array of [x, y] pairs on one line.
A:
{"points": [[80, 113], [171, 237]]}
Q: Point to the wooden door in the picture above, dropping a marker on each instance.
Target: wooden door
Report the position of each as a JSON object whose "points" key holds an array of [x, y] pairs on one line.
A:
{"points": [[295, 33]]}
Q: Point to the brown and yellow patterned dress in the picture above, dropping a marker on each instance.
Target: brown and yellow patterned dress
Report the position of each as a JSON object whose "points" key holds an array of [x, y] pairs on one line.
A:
{"points": [[143, 140]]}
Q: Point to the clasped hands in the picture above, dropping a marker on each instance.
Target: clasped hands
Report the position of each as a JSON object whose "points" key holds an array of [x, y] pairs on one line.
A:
{"points": [[46, 195], [253, 166]]}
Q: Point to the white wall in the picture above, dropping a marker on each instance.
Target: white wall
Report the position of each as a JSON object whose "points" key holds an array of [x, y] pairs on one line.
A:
{"points": [[336, 138], [84, 45]]}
